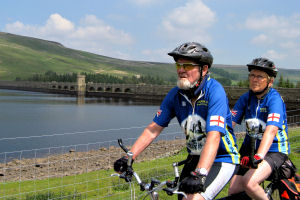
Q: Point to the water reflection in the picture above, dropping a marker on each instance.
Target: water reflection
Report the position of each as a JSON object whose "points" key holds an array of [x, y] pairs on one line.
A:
{"points": [[31, 120], [25, 114]]}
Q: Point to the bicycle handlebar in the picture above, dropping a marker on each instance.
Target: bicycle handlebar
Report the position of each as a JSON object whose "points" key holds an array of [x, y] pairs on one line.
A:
{"points": [[172, 187]]}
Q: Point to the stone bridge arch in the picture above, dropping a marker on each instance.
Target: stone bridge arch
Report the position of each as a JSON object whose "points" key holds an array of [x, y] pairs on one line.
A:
{"points": [[92, 89], [99, 89], [118, 90]]}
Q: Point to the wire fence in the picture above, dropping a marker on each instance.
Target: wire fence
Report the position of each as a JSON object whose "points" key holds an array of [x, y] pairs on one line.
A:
{"points": [[82, 171]]}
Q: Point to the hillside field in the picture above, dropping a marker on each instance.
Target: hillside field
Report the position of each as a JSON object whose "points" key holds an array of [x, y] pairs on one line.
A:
{"points": [[22, 57]]}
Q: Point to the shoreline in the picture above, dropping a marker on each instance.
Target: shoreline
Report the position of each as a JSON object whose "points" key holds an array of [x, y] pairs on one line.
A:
{"points": [[74, 163]]}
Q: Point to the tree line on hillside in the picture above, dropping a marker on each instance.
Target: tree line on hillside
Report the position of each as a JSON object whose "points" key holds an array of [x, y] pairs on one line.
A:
{"points": [[99, 78], [105, 78]]}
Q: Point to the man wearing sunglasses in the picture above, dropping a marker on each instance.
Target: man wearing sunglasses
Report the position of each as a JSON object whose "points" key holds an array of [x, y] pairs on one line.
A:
{"points": [[201, 107], [264, 112]]}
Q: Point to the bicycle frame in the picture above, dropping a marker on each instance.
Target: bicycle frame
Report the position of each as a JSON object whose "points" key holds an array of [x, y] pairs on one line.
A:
{"points": [[155, 185]]}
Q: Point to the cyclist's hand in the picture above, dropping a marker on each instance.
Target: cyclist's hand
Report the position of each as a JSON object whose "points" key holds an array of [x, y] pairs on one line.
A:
{"points": [[120, 165], [245, 161], [256, 160], [193, 183]]}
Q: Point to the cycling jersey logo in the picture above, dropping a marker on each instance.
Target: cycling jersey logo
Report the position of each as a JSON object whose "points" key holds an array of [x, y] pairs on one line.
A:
{"points": [[255, 127], [158, 113], [234, 112], [273, 117], [216, 121], [194, 129], [202, 103], [263, 110]]}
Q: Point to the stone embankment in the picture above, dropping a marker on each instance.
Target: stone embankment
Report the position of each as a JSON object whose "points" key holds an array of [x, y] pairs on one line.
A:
{"points": [[73, 163]]}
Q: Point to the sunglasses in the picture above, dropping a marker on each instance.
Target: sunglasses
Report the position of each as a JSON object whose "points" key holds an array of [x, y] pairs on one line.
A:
{"points": [[186, 66], [259, 77]]}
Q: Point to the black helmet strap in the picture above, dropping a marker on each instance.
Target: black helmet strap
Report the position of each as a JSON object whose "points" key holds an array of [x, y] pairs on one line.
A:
{"points": [[201, 77]]}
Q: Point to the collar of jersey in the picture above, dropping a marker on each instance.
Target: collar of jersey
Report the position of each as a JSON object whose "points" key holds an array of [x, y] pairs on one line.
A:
{"points": [[199, 89], [252, 93]]}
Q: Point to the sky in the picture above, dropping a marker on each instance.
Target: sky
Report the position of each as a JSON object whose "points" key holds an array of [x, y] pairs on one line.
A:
{"points": [[235, 31]]}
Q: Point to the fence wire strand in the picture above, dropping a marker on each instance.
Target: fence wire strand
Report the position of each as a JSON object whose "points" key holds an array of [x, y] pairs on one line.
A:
{"points": [[83, 170]]}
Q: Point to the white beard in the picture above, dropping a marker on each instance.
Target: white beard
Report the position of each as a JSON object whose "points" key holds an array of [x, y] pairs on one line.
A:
{"points": [[185, 84]]}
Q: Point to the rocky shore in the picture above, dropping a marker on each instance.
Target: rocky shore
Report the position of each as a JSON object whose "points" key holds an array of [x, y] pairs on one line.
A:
{"points": [[72, 163]]}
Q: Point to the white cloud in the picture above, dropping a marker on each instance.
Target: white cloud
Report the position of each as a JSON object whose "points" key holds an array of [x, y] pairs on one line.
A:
{"points": [[266, 22], [288, 45], [283, 27], [151, 54], [275, 26], [261, 39], [92, 34], [95, 29], [189, 22], [56, 26], [273, 55], [16, 26], [58, 23], [280, 34]]}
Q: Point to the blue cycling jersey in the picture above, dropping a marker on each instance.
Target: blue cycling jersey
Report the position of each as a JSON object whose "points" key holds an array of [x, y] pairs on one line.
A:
{"points": [[269, 110], [210, 112]]}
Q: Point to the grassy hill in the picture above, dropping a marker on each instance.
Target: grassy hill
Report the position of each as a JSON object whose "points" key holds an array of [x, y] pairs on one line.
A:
{"points": [[24, 56]]}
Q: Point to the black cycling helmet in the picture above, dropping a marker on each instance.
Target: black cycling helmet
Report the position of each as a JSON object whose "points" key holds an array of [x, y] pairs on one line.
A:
{"points": [[263, 64], [193, 50]]}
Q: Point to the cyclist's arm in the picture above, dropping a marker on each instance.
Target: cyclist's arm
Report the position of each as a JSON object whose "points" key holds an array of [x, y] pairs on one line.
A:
{"points": [[267, 139], [148, 135], [210, 150]]}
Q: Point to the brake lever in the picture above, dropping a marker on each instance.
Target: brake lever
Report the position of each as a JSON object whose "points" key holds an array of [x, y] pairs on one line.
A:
{"points": [[170, 192], [178, 192]]}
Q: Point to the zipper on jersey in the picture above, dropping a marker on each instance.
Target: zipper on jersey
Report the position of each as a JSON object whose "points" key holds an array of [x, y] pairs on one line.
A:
{"points": [[258, 104], [193, 106]]}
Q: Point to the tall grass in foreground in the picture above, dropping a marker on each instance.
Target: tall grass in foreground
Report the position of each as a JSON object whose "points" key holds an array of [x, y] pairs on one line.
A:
{"points": [[100, 184]]}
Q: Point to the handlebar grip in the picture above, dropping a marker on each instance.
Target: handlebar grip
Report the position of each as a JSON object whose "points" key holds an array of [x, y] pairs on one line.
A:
{"points": [[168, 191], [155, 181]]}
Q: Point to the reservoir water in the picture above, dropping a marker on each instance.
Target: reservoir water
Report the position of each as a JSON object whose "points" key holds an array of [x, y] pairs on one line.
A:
{"points": [[34, 122], [31, 120]]}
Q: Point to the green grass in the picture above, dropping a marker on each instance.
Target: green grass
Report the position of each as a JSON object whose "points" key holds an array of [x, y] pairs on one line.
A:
{"points": [[89, 185], [100, 185]]}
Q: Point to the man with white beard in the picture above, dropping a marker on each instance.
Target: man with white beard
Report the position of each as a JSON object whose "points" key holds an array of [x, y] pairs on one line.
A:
{"points": [[201, 107]]}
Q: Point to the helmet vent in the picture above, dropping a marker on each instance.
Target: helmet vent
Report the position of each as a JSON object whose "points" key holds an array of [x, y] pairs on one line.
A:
{"points": [[263, 64], [194, 51]]}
